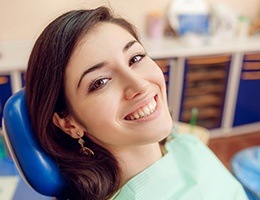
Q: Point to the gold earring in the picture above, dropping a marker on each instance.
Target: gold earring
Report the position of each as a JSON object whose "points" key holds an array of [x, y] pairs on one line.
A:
{"points": [[84, 151]]}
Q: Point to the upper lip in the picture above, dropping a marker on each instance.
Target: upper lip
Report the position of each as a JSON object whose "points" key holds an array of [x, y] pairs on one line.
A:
{"points": [[140, 104]]}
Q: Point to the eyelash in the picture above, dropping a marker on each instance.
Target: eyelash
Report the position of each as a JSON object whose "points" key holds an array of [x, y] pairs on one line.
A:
{"points": [[94, 87], [140, 55]]}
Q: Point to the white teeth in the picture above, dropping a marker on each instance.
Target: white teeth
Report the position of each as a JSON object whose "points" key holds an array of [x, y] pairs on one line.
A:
{"points": [[144, 111], [141, 113], [136, 115], [152, 105]]}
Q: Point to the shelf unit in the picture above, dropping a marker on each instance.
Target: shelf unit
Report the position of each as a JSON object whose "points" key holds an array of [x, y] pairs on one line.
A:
{"points": [[204, 88], [248, 99], [185, 79], [7, 89], [164, 64], [5, 92]]}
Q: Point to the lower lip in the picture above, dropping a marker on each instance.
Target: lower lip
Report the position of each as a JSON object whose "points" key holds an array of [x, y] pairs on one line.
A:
{"points": [[151, 116]]}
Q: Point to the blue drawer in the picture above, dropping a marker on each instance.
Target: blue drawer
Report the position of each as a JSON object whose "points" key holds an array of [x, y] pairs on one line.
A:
{"points": [[5, 92], [248, 99], [23, 79]]}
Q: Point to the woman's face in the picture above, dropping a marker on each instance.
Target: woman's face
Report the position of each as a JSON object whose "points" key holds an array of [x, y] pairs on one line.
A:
{"points": [[116, 91]]}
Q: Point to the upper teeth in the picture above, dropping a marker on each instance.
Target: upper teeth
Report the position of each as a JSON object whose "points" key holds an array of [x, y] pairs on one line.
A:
{"points": [[143, 111]]}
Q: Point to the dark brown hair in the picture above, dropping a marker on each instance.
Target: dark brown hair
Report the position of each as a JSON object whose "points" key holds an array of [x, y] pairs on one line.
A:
{"points": [[95, 177]]}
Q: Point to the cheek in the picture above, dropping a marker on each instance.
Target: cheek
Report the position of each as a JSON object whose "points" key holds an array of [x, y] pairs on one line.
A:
{"points": [[160, 75], [157, 75], [100, 121], [99, 111]]}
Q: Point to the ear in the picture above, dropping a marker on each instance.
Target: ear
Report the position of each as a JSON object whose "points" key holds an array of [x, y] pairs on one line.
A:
{"points": [[67, 124]]}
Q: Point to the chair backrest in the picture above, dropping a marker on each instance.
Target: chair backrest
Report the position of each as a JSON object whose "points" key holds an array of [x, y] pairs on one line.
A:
{"points": [[245, 166], [36, 167]]}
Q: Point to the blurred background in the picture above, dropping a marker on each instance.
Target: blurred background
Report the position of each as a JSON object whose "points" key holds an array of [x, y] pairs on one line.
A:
{"points": [[25, 19], [208, 50]]}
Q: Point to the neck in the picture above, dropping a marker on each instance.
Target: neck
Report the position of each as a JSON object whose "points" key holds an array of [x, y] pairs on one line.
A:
{"points": [[134, 160]]}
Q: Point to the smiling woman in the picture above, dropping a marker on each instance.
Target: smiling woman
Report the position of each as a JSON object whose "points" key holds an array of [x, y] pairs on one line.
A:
{"points": [[90, 81]]}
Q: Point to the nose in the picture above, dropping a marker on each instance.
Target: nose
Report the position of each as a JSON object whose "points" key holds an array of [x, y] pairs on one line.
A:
{"points": [[135, 85]]}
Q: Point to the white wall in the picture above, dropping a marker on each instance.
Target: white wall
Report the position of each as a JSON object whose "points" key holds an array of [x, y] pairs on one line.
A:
{"points": [[25, 19], [250, 8], [22, 19]]}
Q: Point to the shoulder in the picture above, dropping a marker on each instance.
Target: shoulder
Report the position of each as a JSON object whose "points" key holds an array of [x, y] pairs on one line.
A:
{"points": [[189, 151], [201, 165], [183, 140]]}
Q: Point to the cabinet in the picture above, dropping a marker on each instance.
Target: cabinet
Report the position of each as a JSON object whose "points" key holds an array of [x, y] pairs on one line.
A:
{"points": [[6, 88], [248, 99], [207, 77], [5, 91], [221, 79], [23, 79], [164, 64], [204, 88]]}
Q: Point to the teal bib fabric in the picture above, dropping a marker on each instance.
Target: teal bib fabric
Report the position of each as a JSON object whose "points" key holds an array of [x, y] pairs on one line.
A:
{"points": [[189, 171]]}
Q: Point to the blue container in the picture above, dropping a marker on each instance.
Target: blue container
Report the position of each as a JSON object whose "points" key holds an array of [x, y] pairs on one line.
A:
{"points": [[193, 23], [246, 168]]}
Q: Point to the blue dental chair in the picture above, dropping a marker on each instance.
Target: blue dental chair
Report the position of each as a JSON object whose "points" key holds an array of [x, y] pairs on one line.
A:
{"points": [[245, 165], [35, 166]]}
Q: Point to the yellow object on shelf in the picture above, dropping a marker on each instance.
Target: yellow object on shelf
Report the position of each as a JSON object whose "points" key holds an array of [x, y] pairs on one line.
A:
{"points": [[198, 131]]}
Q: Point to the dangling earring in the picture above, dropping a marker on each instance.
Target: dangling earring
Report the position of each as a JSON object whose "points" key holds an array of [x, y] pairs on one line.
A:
{"points": [[84, 151]]}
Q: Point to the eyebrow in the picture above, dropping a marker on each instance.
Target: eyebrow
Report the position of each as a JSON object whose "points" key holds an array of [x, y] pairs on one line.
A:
{"points": [[102, 64], [128, 45], [91, 69]]}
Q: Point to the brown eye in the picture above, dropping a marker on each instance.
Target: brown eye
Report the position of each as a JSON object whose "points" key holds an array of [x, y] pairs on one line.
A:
{"points": [[98, 84], [136, 58]]}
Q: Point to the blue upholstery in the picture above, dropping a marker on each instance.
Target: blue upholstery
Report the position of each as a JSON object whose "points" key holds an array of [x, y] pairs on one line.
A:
{"points": [[246, 167], [37, 168]]}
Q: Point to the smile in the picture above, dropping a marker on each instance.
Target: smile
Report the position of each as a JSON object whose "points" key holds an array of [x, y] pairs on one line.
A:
{"points": [[143, 111]]}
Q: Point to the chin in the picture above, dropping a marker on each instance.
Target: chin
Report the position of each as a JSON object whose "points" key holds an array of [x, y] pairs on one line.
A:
{"points": [[167, 128], [163, 130]]}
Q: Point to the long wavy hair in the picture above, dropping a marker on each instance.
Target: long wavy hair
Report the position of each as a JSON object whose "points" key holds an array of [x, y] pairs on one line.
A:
{"points": [[89, 178]]}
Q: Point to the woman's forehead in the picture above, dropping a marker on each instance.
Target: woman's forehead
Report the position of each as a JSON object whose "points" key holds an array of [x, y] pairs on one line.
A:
{"points": [[104, 39], [99, 45], [105, 32]]}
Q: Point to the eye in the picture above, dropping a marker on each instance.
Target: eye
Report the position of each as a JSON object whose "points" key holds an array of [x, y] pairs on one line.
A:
{"points": [[136, 58], [98, 84]]}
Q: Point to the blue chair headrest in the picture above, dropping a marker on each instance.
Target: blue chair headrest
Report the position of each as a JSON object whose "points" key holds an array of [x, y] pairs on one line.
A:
{"points": [[245, 165], [37, 167]]}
